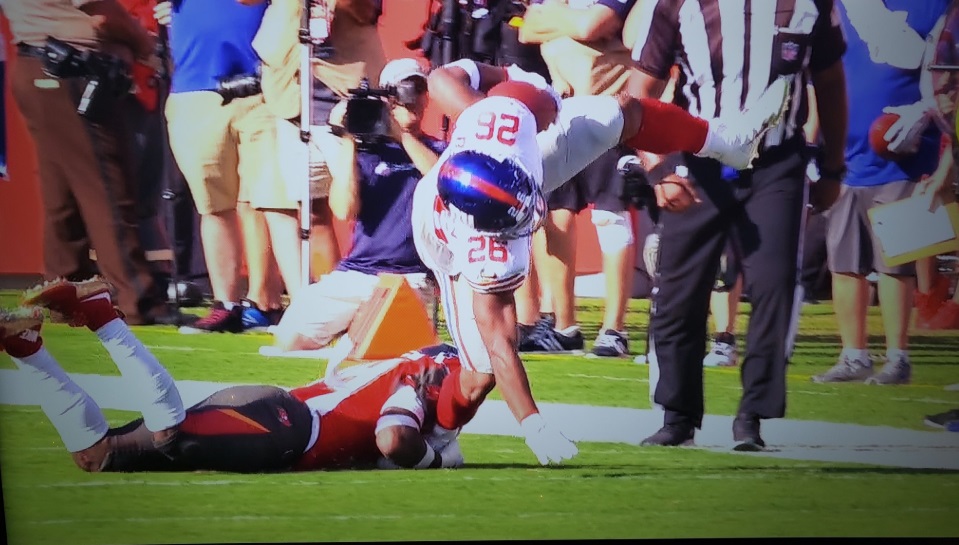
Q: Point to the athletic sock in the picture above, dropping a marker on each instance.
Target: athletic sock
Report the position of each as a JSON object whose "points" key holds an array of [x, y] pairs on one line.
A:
{"points": [[149, 381], [667, 128], [897, 354], [98, 310], [74, 414], [857, 354], [453, 410]]}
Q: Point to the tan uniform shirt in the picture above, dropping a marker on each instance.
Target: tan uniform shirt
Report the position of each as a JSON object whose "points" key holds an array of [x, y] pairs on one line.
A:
{"points": [[31, 21], [358, 52]]}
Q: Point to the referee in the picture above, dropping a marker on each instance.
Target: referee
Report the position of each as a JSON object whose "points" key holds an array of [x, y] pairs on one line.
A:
{"points": [[728, 52]]}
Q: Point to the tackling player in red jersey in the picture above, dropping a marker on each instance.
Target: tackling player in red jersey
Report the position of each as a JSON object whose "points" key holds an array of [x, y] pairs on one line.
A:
{"points": [[363, 416]]}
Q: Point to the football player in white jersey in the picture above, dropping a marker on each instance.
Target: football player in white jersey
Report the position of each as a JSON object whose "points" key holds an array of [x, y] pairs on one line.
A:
{"points": [[513, 140]]}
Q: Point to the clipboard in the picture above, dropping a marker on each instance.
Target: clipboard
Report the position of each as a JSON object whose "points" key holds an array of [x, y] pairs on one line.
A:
{"points": [[907, 230]]}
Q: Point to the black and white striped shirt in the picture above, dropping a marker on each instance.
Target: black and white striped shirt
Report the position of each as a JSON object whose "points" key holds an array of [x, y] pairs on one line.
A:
{"points": [[729, 51]]}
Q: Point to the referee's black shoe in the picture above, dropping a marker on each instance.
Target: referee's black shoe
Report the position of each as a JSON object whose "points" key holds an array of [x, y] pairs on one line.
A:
{"points": [[671, 435], [746, 433]]}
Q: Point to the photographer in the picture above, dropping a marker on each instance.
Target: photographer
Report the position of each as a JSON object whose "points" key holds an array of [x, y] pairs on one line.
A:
{"points": [[69, 80], [373, 181], [223, 138], [346, 47]]}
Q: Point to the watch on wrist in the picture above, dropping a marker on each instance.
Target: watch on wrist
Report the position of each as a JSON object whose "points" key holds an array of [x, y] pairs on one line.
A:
{"points": [[836, 174]]}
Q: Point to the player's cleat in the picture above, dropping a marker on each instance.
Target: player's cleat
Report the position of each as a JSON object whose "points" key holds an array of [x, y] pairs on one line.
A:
{"points": [[81, 303], [893, 372], [723, 352], [62, 295], [735, 141], [15, 322], [846, 370]]}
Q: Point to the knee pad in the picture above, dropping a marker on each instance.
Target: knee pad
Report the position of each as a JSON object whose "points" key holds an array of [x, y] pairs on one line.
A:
{"points": [[613, 229]]}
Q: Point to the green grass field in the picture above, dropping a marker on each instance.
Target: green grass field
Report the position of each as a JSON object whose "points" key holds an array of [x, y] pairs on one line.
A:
{"points": [[608, 491]]}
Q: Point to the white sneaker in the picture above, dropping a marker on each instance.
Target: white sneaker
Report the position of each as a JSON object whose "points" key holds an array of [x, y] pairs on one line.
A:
{"points": [[735, 141], [721, 354]]}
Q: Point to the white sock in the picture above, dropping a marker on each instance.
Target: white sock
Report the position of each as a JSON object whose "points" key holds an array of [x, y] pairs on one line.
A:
{"points": [[75, 415], [857, 354], [150, 381], [896, 354], [228, 305], [569, 331]]}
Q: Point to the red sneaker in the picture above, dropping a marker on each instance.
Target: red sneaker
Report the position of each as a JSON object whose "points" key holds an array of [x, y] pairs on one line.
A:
{"points": [[84, 303], [928, 304], [947, 317]]}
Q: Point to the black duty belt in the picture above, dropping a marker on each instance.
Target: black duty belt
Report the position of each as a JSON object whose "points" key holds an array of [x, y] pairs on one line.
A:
{"points": [[27, 50]]}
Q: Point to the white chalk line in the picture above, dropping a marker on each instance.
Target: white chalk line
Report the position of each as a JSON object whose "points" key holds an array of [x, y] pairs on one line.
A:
{"points": [[449, 516]]}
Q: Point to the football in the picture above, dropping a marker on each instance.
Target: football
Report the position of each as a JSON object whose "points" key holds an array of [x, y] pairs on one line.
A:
{"points": [[537, 100], [876, 140]]}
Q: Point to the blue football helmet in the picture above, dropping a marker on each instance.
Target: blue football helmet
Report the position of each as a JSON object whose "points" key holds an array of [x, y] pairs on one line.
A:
{"points": [[496, 198]]}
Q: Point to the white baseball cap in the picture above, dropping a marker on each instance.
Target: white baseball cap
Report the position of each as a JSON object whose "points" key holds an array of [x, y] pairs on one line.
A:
{"points": [[397, 70]]}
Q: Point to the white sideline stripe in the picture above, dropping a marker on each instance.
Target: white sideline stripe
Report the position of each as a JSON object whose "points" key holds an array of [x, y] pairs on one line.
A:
{"points": [[757, 473], [432, 516], [181, 348], [792, 439], [604, 377]]}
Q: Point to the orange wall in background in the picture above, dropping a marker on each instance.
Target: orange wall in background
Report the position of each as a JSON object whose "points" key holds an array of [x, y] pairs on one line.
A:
{"points": [[21, 236]]}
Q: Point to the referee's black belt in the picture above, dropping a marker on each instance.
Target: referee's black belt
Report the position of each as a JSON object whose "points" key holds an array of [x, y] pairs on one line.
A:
{"points": [[27, 50]]}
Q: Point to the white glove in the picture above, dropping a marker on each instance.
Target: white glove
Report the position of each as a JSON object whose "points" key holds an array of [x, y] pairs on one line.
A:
{"points": [[516, 73], [548, 444], [903, 135], [651, 253]]}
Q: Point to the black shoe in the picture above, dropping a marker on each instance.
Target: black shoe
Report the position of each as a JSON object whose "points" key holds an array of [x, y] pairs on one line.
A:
{"points": [[746, 434], [941, 420], [523, 333], [671, 435]]}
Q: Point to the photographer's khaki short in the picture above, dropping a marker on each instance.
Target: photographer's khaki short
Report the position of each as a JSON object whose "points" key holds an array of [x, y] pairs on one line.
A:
{"points": [[292, 159], [227, 153]]}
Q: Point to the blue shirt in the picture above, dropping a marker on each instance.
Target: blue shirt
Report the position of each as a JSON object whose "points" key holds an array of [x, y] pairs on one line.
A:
{"points": [[211, 40], [873, 86], [383, 232]]}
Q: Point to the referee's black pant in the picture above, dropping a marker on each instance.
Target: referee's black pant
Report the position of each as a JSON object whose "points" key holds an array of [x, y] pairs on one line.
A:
{"points": [[763, 210]]}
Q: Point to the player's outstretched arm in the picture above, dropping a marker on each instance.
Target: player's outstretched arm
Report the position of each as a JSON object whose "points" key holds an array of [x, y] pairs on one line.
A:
{"points": [[458, 85], [496, 317]]}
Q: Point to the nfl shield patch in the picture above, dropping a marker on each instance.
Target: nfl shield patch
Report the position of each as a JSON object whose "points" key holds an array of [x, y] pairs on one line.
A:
{"points": [[790, 51]]}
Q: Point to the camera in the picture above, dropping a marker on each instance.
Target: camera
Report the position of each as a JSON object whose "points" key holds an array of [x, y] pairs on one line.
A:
{"points": [[637, 187], [107, 76], [368, 109], [240, 86]]}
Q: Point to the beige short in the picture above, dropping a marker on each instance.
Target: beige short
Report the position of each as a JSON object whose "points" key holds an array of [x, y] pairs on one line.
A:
{"points": [[324, 310], [292, 154], [227, 153]]}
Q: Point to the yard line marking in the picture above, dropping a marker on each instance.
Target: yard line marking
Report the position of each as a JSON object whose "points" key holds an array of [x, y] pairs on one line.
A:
{"points": [[626, 379]]}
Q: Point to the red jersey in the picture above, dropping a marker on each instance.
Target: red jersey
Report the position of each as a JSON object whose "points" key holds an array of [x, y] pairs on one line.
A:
{"points": [[348, 407]]}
